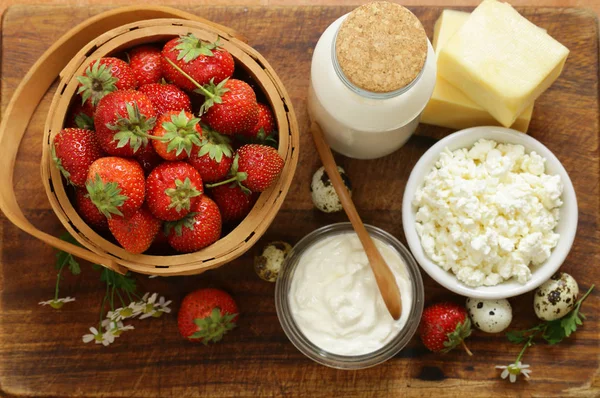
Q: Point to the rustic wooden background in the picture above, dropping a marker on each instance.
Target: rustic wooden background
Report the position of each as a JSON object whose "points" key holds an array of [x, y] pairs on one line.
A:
{"points": [[41, 352]]}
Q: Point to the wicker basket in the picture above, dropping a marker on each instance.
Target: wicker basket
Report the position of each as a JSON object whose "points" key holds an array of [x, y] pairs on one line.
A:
{"points": [[252, 227]]}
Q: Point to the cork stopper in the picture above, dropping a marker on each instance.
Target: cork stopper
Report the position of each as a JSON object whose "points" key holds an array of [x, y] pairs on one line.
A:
{"points": [[381, 47]]}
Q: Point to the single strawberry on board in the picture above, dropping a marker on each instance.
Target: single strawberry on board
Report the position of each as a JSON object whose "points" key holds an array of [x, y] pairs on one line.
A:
{"points": [[201, 60], [199, 229], [148, 158], [255, 167], [166, 97], [135, 232], [145, 64], [172, 189], [88, 210], [175, 134], [206, 315], [233, 203], [444, 326], [213, 157], [116, 186], [124, 120], [73, 153], [81, 116], [104, 76]]}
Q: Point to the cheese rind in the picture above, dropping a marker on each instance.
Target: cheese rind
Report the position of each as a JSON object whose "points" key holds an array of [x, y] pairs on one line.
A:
{"points": [[501, 61], [448, 106]]}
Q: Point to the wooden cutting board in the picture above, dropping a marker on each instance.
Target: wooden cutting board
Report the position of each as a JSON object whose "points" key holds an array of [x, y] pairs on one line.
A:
{"points": [[41, 352]]}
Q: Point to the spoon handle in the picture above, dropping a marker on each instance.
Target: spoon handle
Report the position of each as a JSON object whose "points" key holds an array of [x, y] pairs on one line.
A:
{"points": [[383, 275]]}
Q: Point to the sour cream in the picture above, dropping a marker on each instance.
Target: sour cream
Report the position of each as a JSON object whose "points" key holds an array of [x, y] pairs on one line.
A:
{"points": [[335, 301]]}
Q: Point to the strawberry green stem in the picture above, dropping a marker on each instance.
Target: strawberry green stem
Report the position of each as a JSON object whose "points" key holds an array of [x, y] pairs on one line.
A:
{"points": [[194, 82], [216, 184], [462, 342]]}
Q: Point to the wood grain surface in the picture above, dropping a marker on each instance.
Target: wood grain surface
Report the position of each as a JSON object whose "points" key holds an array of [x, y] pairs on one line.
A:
{"points": [[41, 353]]}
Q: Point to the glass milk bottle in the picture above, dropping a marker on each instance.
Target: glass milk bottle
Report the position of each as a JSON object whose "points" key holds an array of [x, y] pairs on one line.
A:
{"points": [[373, 71]]}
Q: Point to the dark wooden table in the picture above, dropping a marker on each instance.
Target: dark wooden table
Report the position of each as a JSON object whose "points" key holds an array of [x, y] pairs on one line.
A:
{"points": [[41, 353]]}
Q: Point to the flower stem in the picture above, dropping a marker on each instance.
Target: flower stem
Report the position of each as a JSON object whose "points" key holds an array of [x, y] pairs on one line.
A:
{"points": [[205, 92], [462, 342], [102, 309], [58, 281], [112, 298], [121, 298], [527, 345]]}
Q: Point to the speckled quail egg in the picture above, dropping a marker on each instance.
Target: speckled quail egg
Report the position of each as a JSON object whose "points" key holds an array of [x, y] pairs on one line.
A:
{"points": [[556, 297], [490, 316], [323, 193], [268, 263]]}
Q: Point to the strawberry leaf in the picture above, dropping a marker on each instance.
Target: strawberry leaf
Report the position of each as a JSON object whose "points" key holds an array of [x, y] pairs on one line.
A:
{"points": [[181, 134], [181, 194], [190, 48], [456, 337], [96, 82], [212, 94], [214, 144], [186, 222], [60, 166], [106, 196], [84, 121], [133, 129], [212, 328]]}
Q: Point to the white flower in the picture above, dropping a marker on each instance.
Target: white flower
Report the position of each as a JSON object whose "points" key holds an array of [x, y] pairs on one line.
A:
{"points": [[131, 311], [154, 308], [116, 328], [105, 338], [57, 303], [513, 371]]}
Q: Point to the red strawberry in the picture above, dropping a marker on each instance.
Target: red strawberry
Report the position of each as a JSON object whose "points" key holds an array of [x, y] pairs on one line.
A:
{"points": [[233, 203], [206, 315], [200, 228], [148, 158], [116, 186], [213, 158], [255, 167], [73, 152], [145, 64], [104, 76], [82, 116], [177, 132], [166, 97], [266, 122], [136, 232], [444, 326], [88, 211], [124, 120], [202, 61], [230, 107], [172, 189]]}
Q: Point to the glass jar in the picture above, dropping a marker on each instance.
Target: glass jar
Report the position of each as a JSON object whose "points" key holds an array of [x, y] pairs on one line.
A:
{"points": [[317, 354], [360, 123]]}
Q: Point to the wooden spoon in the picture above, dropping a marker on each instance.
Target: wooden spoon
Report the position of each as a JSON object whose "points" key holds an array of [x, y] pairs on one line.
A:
{"points": [[383, 275]]}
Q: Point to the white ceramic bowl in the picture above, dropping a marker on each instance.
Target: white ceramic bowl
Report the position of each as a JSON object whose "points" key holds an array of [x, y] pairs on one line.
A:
{"points": [[566, 227]]}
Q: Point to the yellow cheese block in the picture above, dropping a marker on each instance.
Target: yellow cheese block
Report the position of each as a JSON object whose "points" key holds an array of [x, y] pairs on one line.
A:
{"points": [[501, 61], [448, 106]]}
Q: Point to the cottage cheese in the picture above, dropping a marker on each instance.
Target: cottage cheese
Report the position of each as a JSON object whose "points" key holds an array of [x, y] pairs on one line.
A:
{"points": [[488, 213]]}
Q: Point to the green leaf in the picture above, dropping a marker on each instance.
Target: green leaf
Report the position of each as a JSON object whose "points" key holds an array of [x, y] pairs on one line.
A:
{"points": [[96, 82], [124, 282], [64, 258], [462, 331], [83, 121], [106, 197], [190, 48]]}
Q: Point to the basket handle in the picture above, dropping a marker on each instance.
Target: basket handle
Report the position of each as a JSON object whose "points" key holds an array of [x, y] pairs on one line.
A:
{"points": [[30, 92]]}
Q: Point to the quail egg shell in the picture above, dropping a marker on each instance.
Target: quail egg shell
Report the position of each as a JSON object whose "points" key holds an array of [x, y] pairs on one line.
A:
{"points": [[555, 297], [270, 260], [323, 193], [490, 316]]}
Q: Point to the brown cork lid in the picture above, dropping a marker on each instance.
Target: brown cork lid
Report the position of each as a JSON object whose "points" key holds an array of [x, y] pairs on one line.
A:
{"points": [[381, 47]]}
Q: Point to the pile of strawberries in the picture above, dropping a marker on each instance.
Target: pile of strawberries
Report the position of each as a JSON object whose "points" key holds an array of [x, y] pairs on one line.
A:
{"points": [[150, 166]]}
